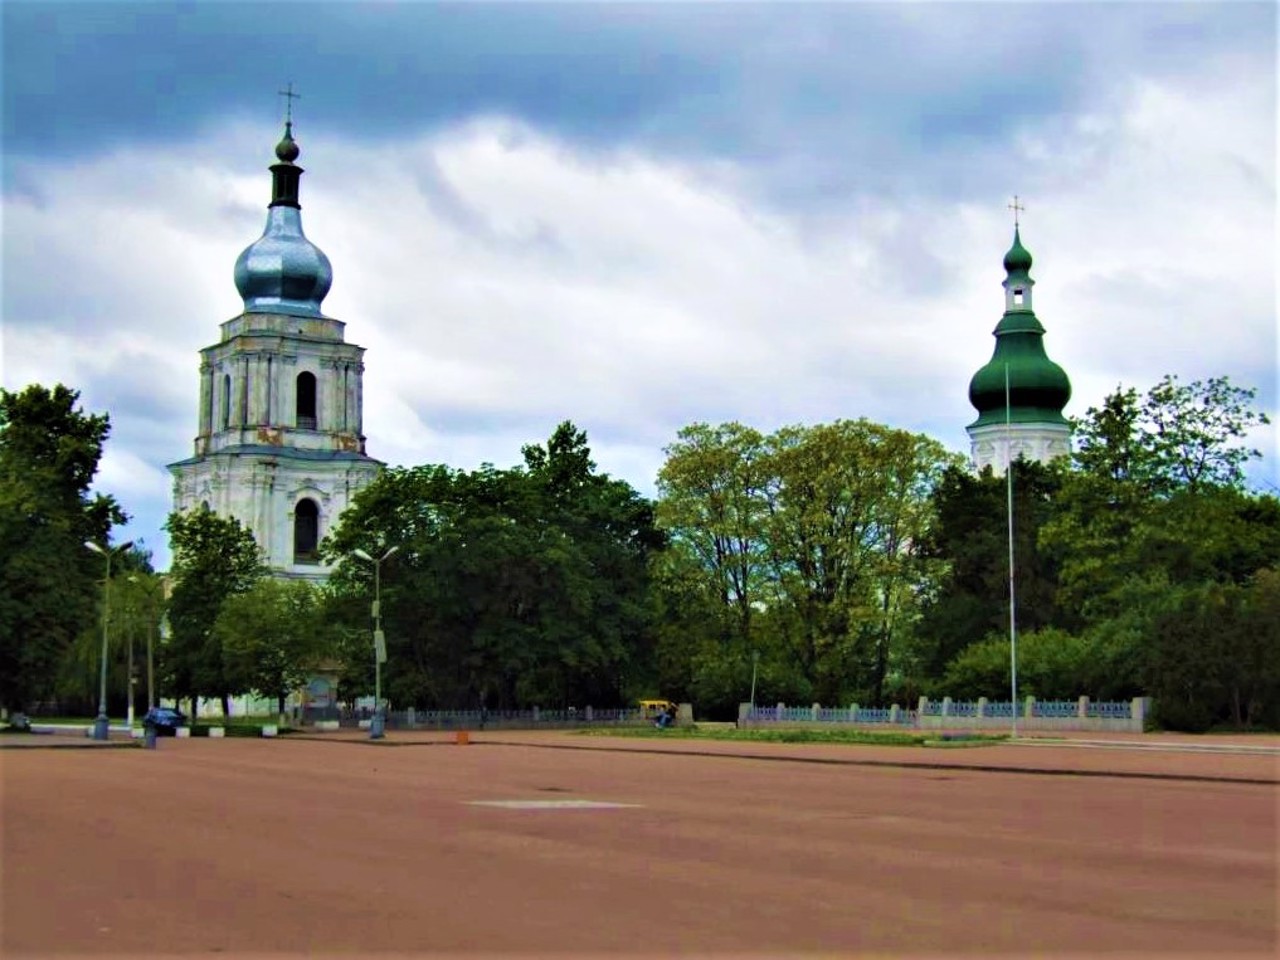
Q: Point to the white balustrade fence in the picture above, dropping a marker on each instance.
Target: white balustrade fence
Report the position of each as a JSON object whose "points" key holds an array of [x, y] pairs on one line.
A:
{"points": [[947, 714]]}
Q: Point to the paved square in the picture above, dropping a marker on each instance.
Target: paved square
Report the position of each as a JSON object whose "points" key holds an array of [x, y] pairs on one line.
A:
{"points": [[292, 847]]}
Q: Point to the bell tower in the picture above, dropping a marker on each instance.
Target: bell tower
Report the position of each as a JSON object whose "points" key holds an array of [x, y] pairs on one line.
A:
{"points": [[1020, 393], [280, 442]]}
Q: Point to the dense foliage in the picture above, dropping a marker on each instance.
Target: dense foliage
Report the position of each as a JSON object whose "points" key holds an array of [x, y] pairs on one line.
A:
{"points": [[49, 453], [510, 588], [272, 636], [843, 562], [801, 550], [1143, 566], [214, 558]]}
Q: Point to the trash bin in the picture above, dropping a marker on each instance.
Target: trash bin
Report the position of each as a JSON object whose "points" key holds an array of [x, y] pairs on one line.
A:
{"points": [[149, 734]]}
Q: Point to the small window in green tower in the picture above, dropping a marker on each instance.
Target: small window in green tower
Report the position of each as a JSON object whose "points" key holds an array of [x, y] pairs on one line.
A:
{"points": [[1017, 296]]}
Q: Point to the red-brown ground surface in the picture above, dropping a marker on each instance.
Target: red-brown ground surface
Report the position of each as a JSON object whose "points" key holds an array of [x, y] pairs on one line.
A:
{"points": [[333, 845]]}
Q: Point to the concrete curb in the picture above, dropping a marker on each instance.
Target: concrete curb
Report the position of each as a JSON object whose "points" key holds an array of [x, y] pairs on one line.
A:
{"points": [[900, 764]]}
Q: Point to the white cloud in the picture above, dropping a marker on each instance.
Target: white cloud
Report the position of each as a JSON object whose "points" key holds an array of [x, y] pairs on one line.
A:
{"points": [[503, 281]]}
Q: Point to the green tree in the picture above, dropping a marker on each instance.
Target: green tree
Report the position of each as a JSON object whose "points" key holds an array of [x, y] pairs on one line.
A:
{"points": [[137, 607], [806, 544], [510, 587], [969, 538], [1255, 668], [1052, 665], [49, 453], [849, 505], [712, 501], [214, 557], [272, 635], [1214, 654], [1143, 470]]}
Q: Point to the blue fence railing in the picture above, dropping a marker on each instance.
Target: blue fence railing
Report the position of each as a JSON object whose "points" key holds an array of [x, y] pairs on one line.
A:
{"points": [[479, 719], [960, 709], [1121, 710]]}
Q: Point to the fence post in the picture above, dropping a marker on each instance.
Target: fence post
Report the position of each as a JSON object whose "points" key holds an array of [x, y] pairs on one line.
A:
{"points": [[589, 714], [813, 711], [895, 712], [946, 706], [535, 714], [411, 717], [922, 706], [1083, 709], [1138, 711], [1031, 707], [853, 713], [744, 714], [982, 707], [781, 707]]}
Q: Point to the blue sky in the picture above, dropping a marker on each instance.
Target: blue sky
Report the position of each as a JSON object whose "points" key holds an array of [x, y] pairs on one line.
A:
{"points": [[637, 216]]}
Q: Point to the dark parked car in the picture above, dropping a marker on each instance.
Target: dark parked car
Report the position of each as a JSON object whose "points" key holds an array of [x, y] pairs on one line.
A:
{"points": [[165, 719]]}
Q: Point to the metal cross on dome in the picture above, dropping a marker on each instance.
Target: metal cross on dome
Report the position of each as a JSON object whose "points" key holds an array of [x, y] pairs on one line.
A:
{"points": [[1017, 208], [289, 96]]}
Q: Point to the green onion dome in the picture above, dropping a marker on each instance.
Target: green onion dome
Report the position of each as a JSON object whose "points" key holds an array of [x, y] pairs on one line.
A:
{"points": [[1038, 389], [1018, 259]]}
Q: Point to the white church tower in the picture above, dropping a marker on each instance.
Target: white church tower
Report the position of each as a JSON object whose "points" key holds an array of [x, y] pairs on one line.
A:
{"points": [[280, 444], [1020, 393]]}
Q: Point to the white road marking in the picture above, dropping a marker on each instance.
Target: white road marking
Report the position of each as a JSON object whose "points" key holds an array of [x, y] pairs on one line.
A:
{"points": [[552, 804], [1175, 746]]}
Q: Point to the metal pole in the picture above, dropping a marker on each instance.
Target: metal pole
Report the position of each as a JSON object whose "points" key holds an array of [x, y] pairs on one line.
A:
{"points": [[376, 728], [378, 724], [129, 719], [151, 675], [101, 723], [1013, 621]]}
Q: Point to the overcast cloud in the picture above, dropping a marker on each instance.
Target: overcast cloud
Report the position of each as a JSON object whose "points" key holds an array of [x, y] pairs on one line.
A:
{"points": [[639, 216]]}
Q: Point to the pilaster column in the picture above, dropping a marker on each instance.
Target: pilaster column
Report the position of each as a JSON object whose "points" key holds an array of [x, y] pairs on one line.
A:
{"points": [[259, 413], [326, 416], [348, 398], [359, 393], [242, 393], [206, 399]]}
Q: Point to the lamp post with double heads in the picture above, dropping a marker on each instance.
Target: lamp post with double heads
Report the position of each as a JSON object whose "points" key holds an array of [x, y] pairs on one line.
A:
{"points": [[377, 726], [100, 722]]}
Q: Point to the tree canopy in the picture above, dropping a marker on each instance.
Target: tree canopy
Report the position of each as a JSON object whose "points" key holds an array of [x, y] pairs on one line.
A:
{"points": [[514, 587], [272, 635], [214, 557], [49, 454], [804, 547]]}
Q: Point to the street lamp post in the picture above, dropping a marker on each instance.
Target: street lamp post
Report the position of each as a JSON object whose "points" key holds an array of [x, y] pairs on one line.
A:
{"points": [[132, 679], [377, 726], [100, 722]]}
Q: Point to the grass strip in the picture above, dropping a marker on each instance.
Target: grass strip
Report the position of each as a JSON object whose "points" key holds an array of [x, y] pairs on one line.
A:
{"points": [[853, 737]]}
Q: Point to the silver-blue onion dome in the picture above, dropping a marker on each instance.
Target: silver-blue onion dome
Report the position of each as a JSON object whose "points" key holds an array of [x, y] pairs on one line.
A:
{"points": [[282, 271]]}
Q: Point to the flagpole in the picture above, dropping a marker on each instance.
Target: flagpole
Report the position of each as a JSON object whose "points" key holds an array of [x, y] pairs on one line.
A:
{"points": [[1013, 623]]}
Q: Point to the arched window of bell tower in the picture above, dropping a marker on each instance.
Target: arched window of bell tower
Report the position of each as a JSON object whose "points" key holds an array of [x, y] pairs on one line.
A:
{"points": [[306, 532], [306, 410]]}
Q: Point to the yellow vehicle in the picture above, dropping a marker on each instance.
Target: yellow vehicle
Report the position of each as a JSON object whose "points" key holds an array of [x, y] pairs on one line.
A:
{"points": [[653, 709]]}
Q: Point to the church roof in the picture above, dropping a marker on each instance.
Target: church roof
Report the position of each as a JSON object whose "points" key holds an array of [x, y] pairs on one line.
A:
{"points": [[1037, 388], [283, 272]]}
